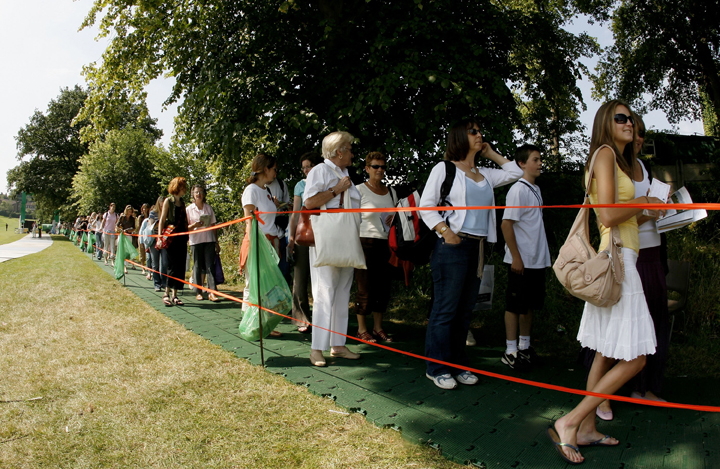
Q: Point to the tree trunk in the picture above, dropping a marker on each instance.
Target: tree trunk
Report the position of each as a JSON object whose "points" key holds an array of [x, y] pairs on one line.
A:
{"points": [[555, 139]]}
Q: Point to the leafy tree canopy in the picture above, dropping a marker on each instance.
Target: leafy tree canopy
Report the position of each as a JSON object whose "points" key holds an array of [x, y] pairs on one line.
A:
{"points": [[49, 149], [281, 74], [668, 49], [117, 169], [51, 145]]}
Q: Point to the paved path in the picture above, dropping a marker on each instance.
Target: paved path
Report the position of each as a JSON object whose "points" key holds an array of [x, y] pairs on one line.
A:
{"points": [[496, 424], [23, 247]]}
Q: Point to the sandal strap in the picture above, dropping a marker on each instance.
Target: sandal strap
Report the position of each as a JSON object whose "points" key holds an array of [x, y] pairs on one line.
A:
{"points": [[575, 448], [382, 335], [366, 337]]}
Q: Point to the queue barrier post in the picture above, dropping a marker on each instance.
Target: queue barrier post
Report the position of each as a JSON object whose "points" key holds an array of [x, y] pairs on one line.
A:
{"points": [[256, 241]]}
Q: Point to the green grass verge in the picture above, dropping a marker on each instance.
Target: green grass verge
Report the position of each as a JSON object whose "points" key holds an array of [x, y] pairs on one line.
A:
{"points": [[118, 384], [9, 236]]}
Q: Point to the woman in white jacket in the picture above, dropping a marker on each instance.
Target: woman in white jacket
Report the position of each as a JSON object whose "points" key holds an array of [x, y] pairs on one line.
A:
{"points": [[456, 262]]}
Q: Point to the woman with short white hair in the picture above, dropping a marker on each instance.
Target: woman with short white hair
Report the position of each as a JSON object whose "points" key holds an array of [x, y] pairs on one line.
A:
{"points": [[331, 285]]}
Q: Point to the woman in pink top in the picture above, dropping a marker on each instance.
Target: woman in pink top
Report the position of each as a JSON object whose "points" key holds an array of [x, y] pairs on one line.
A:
{"points": [[204, 245], [109, 236]]}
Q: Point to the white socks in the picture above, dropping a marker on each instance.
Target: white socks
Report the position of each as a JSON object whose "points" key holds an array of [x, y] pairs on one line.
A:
{"points": [[511, 346], [524, 342]]}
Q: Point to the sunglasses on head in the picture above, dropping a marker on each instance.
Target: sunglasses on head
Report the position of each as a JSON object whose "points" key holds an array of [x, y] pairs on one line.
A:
{"points": [[473, 131], [378, 166], [623, 119]]}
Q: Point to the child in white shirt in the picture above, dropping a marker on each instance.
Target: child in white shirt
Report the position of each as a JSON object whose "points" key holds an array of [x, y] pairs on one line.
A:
{"points": [[527, 256]]}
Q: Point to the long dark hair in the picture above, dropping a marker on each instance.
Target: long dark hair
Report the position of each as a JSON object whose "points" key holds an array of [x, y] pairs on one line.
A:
{"points": [[458, 145], [602, 134]]}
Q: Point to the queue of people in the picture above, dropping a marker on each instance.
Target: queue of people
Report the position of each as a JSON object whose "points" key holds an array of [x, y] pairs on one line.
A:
{"points": [[623, 337]]}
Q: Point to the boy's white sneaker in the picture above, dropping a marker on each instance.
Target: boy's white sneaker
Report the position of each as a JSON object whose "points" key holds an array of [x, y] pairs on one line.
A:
{"points": [[516, 361]]}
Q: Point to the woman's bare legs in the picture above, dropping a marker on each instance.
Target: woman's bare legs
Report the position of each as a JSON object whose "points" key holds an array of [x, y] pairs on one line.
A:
{"points": [[579, 425]]}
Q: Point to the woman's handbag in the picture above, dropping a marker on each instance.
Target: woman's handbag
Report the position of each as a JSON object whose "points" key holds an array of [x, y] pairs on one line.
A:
{"points": [[593, 277], [163, 240], [337, 239], [219, 274], [304, 235]]}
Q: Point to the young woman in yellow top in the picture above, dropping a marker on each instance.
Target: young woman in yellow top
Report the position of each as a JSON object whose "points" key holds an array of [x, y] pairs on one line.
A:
{"points": [[624, 331]]}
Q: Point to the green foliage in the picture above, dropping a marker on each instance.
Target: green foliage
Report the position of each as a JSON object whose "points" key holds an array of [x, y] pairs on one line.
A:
{"points": [[180, 161], [49, 150], [259, 75], [669, 49], [51, 145], [119, 169], [711, 122], [546, 88], [699, 244]]}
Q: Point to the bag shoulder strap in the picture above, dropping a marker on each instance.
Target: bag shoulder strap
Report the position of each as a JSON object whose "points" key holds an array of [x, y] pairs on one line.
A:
{"points": [[171, 210], [592, 167], [615, 243], [340, 176], [532, 189], [450, 170]]}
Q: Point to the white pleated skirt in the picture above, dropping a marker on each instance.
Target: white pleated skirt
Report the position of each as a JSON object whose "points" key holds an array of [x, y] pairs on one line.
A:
{"points": [[625, 330]]}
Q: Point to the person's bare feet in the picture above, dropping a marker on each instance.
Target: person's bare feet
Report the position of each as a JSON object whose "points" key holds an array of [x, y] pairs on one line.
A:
{"points": [[568, 435]]}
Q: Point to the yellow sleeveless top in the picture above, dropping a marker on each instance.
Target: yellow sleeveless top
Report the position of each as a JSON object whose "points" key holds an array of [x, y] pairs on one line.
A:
{"points": [[628, 228]]}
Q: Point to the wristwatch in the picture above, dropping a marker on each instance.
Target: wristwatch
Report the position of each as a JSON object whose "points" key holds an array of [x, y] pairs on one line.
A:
{"points": [[332, 191], [443, 230]]}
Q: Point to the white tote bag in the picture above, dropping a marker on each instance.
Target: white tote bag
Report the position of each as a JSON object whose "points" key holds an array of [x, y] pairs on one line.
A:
{"points": [[337, 238]]}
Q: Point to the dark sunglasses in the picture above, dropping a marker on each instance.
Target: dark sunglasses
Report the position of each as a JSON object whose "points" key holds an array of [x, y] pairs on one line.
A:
{"points": [[623, 119], [378, 166], [473, 131], [641, 133]]}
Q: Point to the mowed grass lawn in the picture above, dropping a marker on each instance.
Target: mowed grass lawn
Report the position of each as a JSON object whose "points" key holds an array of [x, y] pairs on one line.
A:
{"points": [[94, 377], [9, 236]]}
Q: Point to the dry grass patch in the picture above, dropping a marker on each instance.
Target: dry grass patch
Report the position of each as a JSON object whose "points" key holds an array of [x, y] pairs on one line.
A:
{"points": [[121, 385]]}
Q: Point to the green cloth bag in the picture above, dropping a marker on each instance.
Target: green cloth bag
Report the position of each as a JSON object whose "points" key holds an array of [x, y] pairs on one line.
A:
{"points": [[125, 250], [83, 240], [91, 241], [262, 267]]}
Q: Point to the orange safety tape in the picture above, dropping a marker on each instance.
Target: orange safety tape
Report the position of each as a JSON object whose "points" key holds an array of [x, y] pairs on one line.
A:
{"points": [[553, 387], [201, 230], [706, 206]]}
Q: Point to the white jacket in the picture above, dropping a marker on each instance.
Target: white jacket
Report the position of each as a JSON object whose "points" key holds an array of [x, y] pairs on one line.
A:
{"points": [[509, 173]]}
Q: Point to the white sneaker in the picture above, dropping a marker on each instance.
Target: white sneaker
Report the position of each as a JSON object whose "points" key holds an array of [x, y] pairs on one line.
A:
{"points": [[444, 381], [470, 341], [466, 378]]}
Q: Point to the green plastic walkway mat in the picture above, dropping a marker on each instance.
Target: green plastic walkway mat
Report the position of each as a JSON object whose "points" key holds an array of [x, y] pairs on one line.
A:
{"points": [[495, 424]]}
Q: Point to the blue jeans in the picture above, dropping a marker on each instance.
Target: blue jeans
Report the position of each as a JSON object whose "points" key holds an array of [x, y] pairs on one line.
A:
{"points": [[99, 244], [157, 258], [456, 286]]}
